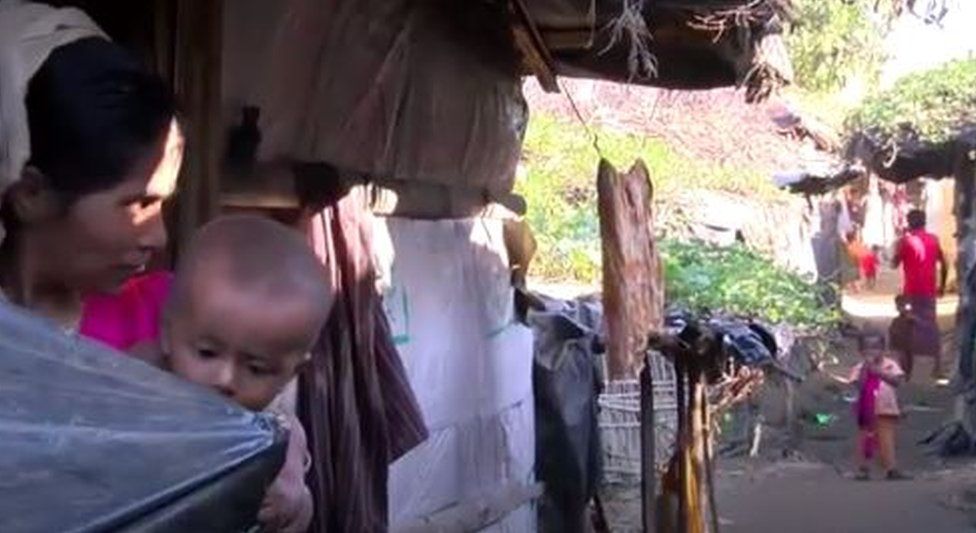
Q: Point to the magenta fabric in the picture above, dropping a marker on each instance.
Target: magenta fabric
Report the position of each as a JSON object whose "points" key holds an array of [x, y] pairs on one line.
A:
{"points": [[867, 412], [130, 316]]}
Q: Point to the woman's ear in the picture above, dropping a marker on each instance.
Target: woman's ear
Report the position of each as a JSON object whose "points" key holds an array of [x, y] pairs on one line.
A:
{"points": [[31, 199]]}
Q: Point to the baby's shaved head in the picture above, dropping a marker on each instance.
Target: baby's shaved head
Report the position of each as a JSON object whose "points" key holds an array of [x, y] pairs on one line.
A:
{"points": [[269, 262]]}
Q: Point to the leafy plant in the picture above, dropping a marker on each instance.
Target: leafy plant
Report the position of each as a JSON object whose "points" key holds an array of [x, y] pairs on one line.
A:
{"points": [[558, 182], [739, 281], [930, 106], [831, 42]]}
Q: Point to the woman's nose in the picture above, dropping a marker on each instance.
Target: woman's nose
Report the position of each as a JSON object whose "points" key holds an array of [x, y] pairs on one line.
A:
{"points": [[152, 234]]}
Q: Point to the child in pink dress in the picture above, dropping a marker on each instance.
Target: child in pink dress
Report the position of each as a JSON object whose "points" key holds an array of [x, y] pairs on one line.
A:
{"points": [[248, 300], [876, 408]]}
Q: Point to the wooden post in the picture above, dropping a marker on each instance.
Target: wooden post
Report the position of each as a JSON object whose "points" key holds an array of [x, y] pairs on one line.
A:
{"points": [[965, 211], [633, 298], [648, 458], [197, 51], [633, 295]]}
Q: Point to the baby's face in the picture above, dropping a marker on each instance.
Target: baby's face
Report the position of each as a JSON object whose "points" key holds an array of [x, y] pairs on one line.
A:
{"points": [[246, 348]]}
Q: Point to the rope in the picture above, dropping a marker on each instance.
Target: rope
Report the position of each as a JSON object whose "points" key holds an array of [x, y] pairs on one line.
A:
{"points": [[579, 116]]}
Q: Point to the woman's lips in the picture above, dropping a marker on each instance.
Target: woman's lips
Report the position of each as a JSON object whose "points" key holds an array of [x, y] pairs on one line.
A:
{"points": [[133, 268]]}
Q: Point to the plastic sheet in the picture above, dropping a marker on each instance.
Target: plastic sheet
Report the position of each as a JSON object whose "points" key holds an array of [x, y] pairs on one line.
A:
{"points": [[91, 441], [567, 381]]}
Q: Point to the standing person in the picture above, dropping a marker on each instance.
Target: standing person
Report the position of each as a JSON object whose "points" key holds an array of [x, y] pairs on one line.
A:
{"points": [[918, 253], [877, 377], [900, 335], [873, 234]]}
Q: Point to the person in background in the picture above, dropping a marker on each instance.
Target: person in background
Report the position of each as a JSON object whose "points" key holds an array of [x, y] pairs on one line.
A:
{"points": [[900, 335], [925, 272], [877, 377], [869, 266], [864, 262]]}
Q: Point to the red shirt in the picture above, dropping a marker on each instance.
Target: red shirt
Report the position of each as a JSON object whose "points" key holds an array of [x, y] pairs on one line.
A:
{"points": [[919, 252]]}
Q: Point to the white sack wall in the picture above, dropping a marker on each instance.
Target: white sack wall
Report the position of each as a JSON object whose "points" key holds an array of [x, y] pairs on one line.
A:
{"points": [[450, 303]]}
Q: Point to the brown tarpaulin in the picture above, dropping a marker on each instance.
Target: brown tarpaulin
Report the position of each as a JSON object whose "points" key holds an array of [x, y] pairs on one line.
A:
{"points": [[355, 400]]}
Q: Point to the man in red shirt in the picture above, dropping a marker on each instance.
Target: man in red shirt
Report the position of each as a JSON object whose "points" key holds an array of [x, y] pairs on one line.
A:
{"points": [[918, 252]]}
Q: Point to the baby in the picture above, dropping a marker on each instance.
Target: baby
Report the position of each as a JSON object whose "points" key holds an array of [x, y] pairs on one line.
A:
{"points": [[247, 302]]}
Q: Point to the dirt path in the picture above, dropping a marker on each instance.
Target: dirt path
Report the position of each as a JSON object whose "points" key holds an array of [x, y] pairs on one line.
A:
{"points": [[817, 493], [813, 497], [812, 489]]}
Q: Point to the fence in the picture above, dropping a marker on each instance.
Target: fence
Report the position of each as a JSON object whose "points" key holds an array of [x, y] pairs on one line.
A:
{"points": [[619, 421]]}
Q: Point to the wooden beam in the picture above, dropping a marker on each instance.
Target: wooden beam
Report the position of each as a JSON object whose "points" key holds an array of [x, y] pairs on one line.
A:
{"points": [[534, 51], [277, 186], [197, 51]]}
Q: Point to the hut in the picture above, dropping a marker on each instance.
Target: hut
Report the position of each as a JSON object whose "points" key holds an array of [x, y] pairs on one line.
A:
{"points": [[391, 130]]}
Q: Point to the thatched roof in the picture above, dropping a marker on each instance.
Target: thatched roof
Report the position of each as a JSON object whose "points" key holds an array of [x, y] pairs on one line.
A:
{"points": [[924, 125], [676, 44]]}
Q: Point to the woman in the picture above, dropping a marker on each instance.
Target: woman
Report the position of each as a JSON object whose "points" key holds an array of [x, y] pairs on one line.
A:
{"points": [[86, 211], [90, 149]]}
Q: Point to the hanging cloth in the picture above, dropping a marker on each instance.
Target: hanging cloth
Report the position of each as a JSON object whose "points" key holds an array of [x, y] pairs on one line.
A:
{"points": [[355, 400]]}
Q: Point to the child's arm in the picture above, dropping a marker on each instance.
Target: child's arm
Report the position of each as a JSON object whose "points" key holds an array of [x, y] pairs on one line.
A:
{"points": [[851, 378], [843, 380]]}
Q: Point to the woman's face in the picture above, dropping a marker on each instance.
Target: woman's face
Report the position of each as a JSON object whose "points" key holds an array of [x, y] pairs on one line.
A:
{"points": [[104, 238]]}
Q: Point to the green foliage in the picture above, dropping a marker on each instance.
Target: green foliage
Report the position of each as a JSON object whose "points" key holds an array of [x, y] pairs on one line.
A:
{"points": [[832, 42], [930, 106], [739, 281], [559, 186]]}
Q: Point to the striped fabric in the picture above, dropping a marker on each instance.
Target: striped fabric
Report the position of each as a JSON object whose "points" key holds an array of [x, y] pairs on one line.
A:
{"points": [[355, 400]]}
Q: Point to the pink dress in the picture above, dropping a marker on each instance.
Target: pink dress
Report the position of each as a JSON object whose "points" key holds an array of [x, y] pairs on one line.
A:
{"points": [[129, 317]]}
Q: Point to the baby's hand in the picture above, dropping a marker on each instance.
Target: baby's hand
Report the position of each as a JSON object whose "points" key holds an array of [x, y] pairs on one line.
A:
{"points": [[288, 506]]}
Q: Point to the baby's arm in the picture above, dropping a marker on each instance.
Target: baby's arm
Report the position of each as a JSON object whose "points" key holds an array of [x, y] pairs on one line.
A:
{"points": [[288, 506]]}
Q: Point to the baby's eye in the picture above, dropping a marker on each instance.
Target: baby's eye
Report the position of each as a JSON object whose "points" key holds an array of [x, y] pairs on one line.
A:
{"points": [[206, 353], [259, 370]]}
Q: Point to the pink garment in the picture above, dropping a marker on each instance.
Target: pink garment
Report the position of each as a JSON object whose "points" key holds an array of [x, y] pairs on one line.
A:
{"points": [[130, 316], [886, 397], [867, 416]]}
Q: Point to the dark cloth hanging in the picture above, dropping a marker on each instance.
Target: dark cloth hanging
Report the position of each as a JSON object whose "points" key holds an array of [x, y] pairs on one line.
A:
{"points": [[354, 399]]}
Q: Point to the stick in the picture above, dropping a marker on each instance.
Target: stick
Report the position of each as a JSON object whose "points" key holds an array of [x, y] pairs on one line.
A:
{"points": [[648, 459]]}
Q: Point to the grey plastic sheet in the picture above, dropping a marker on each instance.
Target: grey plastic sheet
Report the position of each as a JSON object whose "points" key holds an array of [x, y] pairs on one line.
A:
{"points": [[91, 440], [566, 379]]}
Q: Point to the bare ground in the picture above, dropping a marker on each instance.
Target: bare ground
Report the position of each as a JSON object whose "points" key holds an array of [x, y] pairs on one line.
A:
{"points": [[801, 482]]}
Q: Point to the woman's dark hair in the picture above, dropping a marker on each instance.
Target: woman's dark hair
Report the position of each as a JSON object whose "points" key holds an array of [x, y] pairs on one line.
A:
{"points": [[93, 111]]}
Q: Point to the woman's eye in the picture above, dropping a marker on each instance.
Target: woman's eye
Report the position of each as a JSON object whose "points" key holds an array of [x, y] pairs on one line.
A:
{"points": [[147, 203]]}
